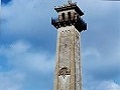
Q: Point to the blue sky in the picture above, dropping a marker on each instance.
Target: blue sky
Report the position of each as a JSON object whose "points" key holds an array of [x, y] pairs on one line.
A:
{"points": [[28, 44]]}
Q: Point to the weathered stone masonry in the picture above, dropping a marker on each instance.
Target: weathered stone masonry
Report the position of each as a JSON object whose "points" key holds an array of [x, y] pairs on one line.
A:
{"points": [[68, 57]]}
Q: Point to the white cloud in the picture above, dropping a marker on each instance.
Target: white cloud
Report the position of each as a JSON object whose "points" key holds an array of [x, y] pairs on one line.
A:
{"points": [[91, 51], [97, 8], [108, 85], [100, 71], [24, 16], [21, 55], [23, 61], [11, 80], [102, 85]]}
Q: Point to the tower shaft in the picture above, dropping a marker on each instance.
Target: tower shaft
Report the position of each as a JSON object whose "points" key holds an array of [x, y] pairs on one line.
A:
{"points": [[68, 66]]}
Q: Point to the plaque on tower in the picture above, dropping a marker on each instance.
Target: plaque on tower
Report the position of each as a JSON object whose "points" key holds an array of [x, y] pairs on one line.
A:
{"points": [[63, 72]]}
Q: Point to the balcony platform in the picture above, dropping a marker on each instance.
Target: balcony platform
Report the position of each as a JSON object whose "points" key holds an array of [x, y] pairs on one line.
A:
{"points": [[79, 24]]}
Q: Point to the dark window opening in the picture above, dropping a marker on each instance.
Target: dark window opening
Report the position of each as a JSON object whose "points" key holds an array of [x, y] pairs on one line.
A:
{"points": [[63, 16], [69, 15]]}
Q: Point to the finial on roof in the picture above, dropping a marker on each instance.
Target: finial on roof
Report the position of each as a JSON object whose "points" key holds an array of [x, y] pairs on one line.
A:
{"points": [[69, 1]]}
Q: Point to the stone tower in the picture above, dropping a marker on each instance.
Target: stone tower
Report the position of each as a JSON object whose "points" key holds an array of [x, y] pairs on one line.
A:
{"points": [[69, 25]]}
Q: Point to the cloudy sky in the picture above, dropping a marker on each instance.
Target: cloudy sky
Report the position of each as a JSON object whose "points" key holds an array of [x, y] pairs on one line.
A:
{"points": [[28, 44]]}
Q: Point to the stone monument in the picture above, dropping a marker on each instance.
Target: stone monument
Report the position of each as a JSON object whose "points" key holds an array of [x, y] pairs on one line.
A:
{"points": [[69, 25]]}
